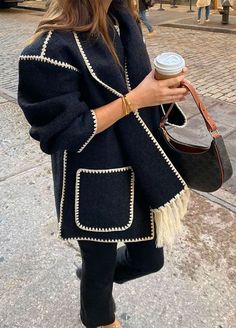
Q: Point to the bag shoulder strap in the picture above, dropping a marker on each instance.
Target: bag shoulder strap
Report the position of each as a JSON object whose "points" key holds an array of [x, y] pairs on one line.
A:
{"points": [[210, 123]]}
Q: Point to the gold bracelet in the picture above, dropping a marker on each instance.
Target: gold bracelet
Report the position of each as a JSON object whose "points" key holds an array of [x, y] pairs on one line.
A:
{"points": [[130, 106], [126, 105]]}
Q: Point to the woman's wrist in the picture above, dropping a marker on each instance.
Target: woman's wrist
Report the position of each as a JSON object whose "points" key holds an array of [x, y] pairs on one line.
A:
{"points": [[133, 98]]}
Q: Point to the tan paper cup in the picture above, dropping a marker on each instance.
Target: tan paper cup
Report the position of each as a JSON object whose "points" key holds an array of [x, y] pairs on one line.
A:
{"points": [[168, 65]]}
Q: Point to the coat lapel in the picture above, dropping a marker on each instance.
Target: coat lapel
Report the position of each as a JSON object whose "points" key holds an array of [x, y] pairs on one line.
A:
{"points": [[100, 62], [102, 65]]}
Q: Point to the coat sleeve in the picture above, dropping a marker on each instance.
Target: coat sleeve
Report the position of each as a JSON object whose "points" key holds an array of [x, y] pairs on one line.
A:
{"points": [[51, 99]]}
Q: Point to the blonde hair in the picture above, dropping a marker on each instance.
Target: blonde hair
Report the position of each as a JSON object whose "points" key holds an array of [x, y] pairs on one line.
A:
{"points": [[79, 16]]}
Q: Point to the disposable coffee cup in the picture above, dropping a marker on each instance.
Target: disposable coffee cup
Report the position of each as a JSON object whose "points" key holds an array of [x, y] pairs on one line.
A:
{"points": [[168, 65]]}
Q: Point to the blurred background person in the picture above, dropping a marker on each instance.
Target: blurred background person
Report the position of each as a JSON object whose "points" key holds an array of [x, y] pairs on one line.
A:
{"points": [[203, 4], [143, 6]]}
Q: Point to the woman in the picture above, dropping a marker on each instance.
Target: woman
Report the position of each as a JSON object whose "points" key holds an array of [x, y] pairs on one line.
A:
{"points": [[200, 5], [81, 82]]}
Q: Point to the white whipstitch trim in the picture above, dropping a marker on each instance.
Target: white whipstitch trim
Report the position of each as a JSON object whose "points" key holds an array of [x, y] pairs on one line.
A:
{"points": [[44, 47], [63, 192], [90, 69], [94, 131], [119, 240], [175, 125], [104, 171], [128, 240], [43, 58], [49, 61], [127, 76]]}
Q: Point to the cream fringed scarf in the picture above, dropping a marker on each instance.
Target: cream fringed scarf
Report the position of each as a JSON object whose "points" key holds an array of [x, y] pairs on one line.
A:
{"points": [[168, 218]]}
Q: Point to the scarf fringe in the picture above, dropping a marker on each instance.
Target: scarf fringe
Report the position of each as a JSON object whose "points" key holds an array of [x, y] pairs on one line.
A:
{"points": [[168, 218]]}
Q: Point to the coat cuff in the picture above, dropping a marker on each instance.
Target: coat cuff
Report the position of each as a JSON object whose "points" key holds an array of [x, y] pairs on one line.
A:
{"points": [[94, 118]]}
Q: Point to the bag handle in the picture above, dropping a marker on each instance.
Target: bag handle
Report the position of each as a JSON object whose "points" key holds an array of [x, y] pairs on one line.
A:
{"points": [[210, 123]]}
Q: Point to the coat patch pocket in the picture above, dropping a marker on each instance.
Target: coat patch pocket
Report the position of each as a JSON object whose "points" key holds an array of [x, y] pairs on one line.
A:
{"points": [[104, 199]]}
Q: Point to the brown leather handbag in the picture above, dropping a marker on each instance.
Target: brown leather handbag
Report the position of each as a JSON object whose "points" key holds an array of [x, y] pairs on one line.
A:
{"points": [[202, 168]]}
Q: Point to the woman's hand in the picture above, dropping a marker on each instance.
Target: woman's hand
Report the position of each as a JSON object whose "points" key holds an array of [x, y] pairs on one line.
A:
{"points": [[152, 92]]}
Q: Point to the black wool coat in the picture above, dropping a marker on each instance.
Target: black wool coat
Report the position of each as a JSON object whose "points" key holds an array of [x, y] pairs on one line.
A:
{"points": [[63, 77]]}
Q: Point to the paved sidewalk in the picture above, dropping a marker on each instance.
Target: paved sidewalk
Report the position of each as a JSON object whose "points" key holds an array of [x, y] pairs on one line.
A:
{"points": [[213, 26], [180, 17]]}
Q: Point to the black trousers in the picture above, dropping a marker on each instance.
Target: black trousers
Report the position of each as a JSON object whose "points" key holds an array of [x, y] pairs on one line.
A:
{"points": [[103, 264]]}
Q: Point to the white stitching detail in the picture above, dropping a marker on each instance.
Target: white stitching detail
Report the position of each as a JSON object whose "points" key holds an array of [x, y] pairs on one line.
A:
{"points": [[44, 47], [94, 131], [127, 76], [110, 240], [104, 171], [49, 61], [63, 192], [91, 71], [116, 240]]}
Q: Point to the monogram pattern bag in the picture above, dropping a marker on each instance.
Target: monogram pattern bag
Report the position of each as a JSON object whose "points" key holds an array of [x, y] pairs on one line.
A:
{"points": [[202, 168]]}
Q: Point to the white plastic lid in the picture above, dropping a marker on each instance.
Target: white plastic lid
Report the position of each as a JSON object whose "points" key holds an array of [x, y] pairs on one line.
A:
{"points": [[169, 63]]}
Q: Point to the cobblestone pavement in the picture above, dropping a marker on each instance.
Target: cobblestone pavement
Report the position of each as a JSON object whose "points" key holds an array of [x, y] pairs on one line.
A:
{"points": [[16, 26], [211, 57]]}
